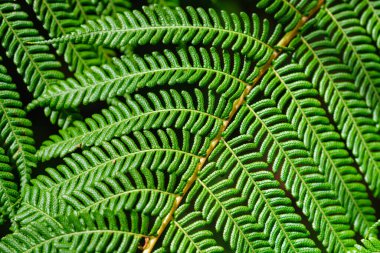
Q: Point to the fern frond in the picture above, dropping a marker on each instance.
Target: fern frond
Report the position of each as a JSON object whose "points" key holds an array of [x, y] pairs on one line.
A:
{"points": [[350, 112], [352, 42], [183, 234], [37, 65], [95, 232], [191, 111], [157, 24], [223, 205], [292, 163], [237, 158], [155, 150], [227, 74], [58, 19], [16, 136], [286, 84], [370, 245], [141, 190], [8, 187], [288, 12], [368, 12], [111, 7]]}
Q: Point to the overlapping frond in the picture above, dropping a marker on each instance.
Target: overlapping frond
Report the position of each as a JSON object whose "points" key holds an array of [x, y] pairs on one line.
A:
{"points": [[224, 206], [184, 234], [8, 187], [288, 12], [238, 159], [371, 242], [111, 7], [87, 232], [286, 84], [351, 114], [368, 12], [141, 190], [168, 151], [156, 24], [191, 111], [16, 136], [58, 18], [227, 74], [293, 164], [352, 42], [37, 65]]}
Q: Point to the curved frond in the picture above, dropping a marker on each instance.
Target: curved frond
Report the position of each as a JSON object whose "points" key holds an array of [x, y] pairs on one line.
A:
{"points": [[227, 74], [184, 234], [286, 84], [288, 12], [238, 159], [223, 205], [351, 114], [37, 65], [352, 42], [58, 18], [368, 12], [191, 111], [16, 135], [8, 187], [293, 164], [111, 7], [156, 24], [95, 232], [156, 150]]}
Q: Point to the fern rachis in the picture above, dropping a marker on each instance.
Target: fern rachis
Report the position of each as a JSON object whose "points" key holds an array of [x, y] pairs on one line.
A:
{"points": [[237, 133]]}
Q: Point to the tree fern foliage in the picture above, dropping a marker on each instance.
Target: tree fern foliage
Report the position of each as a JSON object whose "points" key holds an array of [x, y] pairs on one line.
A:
{"points": [[181, 127]]}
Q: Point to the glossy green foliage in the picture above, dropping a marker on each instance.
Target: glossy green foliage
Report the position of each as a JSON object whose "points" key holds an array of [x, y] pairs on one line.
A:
{"points": [[60, 18], [241, 33], [193, 112], [225, 74], [288, 13], [8, 188], [38, 67], [202, 131], [16, 137], [87, 232]]}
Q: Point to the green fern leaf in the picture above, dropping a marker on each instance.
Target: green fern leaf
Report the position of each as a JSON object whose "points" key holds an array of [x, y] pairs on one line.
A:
{"points": [[16, 137], [368, 12], [38, 67], [288, 13], [350, 112], [203, 67], [343, 27], [156, 24], [184, 235], [296, 97], [189, 111], [58, 19], [108, 232], [293, 164], [8, 187]]}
